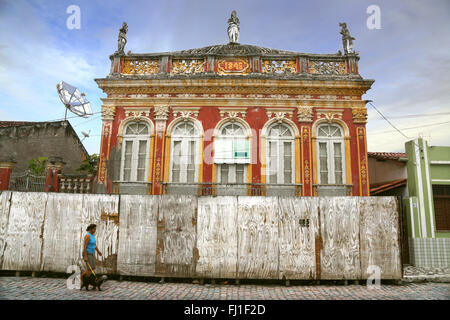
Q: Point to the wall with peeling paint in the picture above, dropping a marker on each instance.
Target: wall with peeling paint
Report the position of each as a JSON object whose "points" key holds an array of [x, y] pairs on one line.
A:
{"points": [[203, 237]]}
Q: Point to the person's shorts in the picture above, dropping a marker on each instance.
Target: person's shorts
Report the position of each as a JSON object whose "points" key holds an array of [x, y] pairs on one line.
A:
{"points": [[91, 261]]}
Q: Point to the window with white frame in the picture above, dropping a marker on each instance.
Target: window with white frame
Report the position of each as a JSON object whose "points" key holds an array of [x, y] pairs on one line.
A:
{"points": [[280, 151], [135, 152], [331, 154], [232, 153], [185, 143]]}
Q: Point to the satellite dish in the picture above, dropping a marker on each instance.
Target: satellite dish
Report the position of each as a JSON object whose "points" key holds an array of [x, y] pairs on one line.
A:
{"points": [[86, 135], [74, 100]]}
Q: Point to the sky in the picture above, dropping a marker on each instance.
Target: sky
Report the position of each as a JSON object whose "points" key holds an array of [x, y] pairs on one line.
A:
{"points": [[408, 57]]}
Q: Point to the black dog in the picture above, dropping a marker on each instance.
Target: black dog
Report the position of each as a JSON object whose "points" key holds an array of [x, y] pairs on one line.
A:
{"points": [[92, 280]]}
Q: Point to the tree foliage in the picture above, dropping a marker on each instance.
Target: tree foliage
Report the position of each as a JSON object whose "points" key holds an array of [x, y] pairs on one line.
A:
{"points": [[89, 164], [37, 166]]}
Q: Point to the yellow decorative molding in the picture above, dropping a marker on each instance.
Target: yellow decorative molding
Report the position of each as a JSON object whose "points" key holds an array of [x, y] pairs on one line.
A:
{"points": [[327, 67], [232, 112], [137, 114], [187, 66], [359, 115], [279, 113], [329, 114], [185, 112], [140, 67], [108, 113], [304, 114], [279, 66]]}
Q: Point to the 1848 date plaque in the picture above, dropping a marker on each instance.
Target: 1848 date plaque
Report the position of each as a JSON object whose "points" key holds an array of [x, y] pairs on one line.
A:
{"points": [[233, 66]]}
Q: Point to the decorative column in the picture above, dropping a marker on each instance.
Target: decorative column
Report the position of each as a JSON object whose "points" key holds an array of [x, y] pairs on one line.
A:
{"points": [[108, 114], [53, 168], [6, 167], [360, 119], [161, 115], [305, 118]]}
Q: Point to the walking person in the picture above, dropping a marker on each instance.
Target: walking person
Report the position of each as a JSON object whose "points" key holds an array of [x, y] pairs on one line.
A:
{"points": [[89, 248]]}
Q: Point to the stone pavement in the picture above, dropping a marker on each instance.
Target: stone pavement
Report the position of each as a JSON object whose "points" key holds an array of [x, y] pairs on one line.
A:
{"points": [[29, 288]]}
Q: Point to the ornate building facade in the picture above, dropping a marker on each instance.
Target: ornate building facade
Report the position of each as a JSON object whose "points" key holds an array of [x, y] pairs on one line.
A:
{"points": [[234, 119]]}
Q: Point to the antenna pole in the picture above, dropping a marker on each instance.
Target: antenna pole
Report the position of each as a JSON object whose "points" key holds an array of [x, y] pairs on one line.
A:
{"points": [[65, 115]]}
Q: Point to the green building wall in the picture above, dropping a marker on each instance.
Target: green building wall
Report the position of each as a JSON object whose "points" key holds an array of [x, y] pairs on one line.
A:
{"points": [[426, 166]]}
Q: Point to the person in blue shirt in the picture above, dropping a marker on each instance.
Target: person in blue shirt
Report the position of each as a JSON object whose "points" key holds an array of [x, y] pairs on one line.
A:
{"points": [[90, 246]]}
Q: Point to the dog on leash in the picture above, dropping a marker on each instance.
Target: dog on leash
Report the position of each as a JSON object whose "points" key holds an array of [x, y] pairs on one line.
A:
{"points": [[92, 280]]}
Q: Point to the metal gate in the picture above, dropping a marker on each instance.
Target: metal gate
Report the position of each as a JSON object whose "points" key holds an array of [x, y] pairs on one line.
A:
{"points": [[26, 182]]}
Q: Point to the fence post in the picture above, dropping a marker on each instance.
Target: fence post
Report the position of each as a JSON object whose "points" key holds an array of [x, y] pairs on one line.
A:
{"points": [[53, 169], [6, 167]]}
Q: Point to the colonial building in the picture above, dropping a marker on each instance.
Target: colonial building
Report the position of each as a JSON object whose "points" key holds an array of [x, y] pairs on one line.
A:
{"points": [[234, 119]]}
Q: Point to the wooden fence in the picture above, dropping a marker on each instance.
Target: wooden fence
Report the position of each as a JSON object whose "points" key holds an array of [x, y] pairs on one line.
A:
{"points": [[232, 237]]}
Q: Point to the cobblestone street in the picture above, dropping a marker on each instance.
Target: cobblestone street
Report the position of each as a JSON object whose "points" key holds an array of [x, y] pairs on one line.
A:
{"points": [[29, 288]]}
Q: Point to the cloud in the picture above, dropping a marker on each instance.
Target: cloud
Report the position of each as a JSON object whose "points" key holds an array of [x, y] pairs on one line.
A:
{"points": [[408, 57]]}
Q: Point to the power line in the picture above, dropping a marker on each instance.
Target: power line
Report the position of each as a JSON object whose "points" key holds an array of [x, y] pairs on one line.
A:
{"points": [[67, 118], [83, 122], [410, 128], [388, 121], [419, 115]]}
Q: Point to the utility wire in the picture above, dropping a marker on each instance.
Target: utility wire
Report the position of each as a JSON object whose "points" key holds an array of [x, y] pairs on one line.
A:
{"points": [[389, 121], [409, 128], [419, 115]]}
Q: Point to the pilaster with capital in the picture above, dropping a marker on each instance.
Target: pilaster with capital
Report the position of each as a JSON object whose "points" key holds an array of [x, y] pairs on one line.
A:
{"points": [[108, 115], [160, 115]]}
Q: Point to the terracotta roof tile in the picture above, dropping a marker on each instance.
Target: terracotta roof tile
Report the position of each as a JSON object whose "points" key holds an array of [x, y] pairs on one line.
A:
{"points": [[387, 155]]}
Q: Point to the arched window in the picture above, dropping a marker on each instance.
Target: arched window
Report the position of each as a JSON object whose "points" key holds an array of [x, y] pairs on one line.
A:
{"points": [[280, 154], [135, 152], [185, 138], [232, 153], [331, 155]]}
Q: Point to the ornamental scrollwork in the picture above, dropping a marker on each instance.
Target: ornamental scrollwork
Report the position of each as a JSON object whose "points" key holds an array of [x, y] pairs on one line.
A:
{"points": [[304, 114], [108, 113], [327, 67], [161, 112], [190, 66], [279, 66], [141, 67], [359, 115]]}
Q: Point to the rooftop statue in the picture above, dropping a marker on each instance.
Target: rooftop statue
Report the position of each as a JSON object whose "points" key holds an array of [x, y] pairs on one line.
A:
{"points": [[347, 39], [122, 41], [233, 28]]}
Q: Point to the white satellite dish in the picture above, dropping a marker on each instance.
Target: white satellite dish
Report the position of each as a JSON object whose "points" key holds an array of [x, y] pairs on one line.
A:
{"points": [[74, 100], [86, 135]]}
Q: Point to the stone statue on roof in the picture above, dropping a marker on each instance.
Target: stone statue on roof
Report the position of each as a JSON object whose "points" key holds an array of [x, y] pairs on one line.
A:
{"points": [[233, 28], [347, 39], [122, 41]]}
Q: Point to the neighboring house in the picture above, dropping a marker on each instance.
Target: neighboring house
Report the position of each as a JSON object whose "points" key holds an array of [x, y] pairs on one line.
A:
{"points": [[428, 205], [421, 176], [387, 172], [24, 141], [234, 119]]}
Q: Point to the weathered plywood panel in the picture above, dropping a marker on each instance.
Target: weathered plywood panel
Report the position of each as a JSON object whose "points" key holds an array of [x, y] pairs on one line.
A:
{"points": [[176, 253], [137, 239], [339, 232], [257, 237], [23, 242], [5, 204], [298, 228], [217, 237], [63, 229], [380, 237], [103, 210]]}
